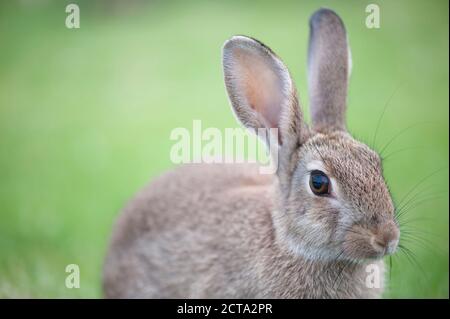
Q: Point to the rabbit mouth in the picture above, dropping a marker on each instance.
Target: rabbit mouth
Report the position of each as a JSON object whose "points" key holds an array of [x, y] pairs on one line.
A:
{"points": [[363, 252]]}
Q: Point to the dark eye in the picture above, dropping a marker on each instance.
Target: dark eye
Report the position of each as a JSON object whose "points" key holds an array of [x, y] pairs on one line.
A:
{"points": [[319, 183]]}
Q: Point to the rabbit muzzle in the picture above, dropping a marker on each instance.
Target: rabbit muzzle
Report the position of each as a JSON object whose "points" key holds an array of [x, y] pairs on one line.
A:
{"points": [[372, 242]]}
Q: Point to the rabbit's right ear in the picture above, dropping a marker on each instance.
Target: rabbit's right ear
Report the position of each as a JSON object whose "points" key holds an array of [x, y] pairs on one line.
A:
{"points": [[261, 90], [328, 71]]}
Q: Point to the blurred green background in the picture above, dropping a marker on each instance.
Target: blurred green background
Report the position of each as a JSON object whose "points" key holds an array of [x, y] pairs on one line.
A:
{"points": [[85, 118]]}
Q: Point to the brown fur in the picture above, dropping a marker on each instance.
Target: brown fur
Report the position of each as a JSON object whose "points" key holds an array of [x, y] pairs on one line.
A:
{"points": [[218, 242], [226, 231]]}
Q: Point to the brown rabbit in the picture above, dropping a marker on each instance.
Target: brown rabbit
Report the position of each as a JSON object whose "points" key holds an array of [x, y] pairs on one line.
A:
{"points": [[226, 231]]}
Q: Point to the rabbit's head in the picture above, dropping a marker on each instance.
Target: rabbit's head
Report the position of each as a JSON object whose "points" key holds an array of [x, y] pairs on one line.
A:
{"points": [[333, 200]]}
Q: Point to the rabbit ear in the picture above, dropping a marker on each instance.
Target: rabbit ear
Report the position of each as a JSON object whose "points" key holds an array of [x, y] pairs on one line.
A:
{"points": [[261, 90], [328, 71]]}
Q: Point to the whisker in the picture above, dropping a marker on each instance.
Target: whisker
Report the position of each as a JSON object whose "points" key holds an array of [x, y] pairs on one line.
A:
{"points": [[390, 268], [413, 205], [413, 258], [384, 158], [400, 133], [420, 183], [382, 115]]}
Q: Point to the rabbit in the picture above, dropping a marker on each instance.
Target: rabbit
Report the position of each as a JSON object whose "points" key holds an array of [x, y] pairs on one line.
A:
{"points": [[316, 228]]}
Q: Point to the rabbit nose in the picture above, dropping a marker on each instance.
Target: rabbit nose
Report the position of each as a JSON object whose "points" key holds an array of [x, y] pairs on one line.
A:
{"points": [[386, 240]]}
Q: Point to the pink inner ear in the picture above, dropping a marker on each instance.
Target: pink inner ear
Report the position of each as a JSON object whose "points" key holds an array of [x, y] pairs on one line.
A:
{"points": [[262, 86]]}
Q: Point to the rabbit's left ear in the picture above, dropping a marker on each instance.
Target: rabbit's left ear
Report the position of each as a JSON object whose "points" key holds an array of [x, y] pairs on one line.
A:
{"points": [[329, 63], [261, 90]]}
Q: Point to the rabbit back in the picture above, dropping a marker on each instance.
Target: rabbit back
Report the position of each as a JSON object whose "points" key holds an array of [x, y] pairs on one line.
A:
{"points": [[192, 232]]}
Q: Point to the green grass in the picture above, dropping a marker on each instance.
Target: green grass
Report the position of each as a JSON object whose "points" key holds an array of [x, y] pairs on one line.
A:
{"points": [[85, 118]]}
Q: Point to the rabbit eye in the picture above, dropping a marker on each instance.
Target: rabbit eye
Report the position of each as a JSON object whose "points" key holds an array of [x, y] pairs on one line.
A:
{"points": [[319, 183]]}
